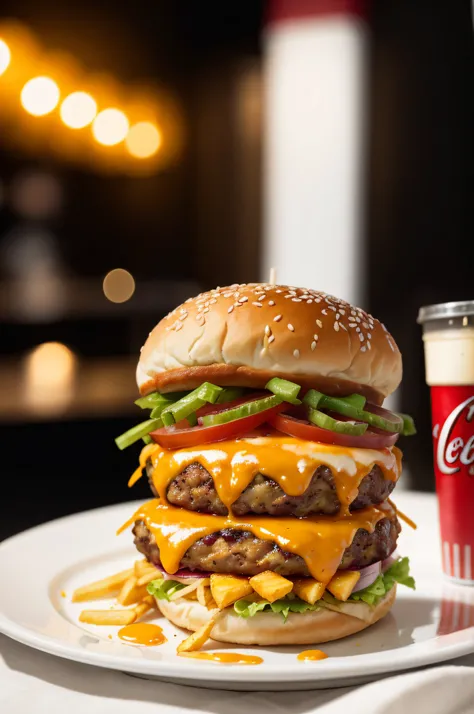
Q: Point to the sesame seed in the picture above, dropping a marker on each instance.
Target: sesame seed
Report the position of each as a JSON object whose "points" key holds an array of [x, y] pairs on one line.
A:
{"points": [[331, 307], [183, 317], [236, 294], [295, 299], [318, 299], [271, 339], [336, 326], [357, 319], [343, 326], [308, 302], [368, 346], [313, 346], [268, 331], [277, 318], [178, 326], [227, 295], [343, 312], [229, 310], [296, 353], [288, 296], [213, 301], [257, 304], [316, 337], [278, 291], [357, 329], [271, 302], [243, 299], [338, 315], [366, 325], [354, 324], [319, 323], [206, 309], [290, 327], [363, 348], [361, 337], [324, 312], [369, 335]]}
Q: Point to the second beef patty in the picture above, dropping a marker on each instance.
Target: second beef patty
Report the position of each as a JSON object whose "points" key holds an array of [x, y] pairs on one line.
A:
{"points": [[194, 490]]}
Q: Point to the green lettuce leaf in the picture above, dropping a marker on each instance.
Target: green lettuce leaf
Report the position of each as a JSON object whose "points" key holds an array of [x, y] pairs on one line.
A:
{"points": [[163, 589], [399, 572], [247, 608]]}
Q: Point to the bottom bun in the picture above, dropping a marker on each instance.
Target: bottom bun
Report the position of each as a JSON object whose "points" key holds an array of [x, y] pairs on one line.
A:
{"points": [[268, 628]]}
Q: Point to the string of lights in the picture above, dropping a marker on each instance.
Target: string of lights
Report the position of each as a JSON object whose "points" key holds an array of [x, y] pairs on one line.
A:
{"points": [[134, 127]]}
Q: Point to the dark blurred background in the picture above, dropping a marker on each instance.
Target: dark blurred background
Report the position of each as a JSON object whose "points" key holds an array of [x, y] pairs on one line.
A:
{"points": [[103, 231]]}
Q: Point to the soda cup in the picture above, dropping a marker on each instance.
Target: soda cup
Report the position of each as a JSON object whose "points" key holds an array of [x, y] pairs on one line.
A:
{"points": [[448, 336]]}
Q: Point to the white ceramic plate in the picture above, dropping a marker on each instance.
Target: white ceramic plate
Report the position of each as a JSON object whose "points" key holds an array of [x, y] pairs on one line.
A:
{"points": [[434, 624]]}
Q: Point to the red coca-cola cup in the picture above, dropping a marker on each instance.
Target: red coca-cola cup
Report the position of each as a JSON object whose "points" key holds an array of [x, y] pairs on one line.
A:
{"points": [[448, 335]]}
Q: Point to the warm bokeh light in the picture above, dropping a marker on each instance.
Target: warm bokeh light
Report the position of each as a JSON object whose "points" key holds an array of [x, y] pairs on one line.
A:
{"points": [[118, 285], [5, 56], [49, 376], [78, 110], [40, 96], [143, 140], [110, 127]]}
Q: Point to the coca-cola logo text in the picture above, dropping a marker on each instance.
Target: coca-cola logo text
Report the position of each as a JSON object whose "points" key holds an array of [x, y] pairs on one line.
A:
{"points": [[450, 453]]}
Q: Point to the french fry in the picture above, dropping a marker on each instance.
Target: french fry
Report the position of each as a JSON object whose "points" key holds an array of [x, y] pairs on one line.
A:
{"points": [[102, 588], [149, 576], [131, 593], [342, 584], [108, 617], [270, 585], [204, 594], [143, 606], [199, 638], [185, 591], [226, 589], [141, 567], [309, 590]]}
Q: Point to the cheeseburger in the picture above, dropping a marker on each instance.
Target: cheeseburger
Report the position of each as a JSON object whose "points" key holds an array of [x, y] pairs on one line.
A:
{"points": [[271, 461]]}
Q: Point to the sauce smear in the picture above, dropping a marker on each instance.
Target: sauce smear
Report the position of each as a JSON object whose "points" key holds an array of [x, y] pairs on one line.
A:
{"points": [[224, 657], [311, 655], [142, 633]]}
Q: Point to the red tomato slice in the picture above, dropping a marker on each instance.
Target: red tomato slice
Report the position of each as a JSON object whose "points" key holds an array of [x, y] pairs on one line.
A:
{"points": [[305, 430], [179, 437]]}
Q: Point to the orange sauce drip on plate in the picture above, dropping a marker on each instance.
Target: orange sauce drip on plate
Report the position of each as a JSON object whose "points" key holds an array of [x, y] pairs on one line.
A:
{"points": [[311, 655], [224, 657], [319, 540], [290, 462], [142, 633]]}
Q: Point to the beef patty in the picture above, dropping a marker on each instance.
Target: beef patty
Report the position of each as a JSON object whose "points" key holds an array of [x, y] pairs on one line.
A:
{"points": [[194, 490], [241, 553]]}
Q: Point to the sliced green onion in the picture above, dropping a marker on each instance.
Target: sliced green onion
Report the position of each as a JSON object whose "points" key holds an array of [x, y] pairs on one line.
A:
{"points": [[312, 398], [229, 394], [243, 410], [357, 400], [192, 419], [346, 406], [147, 439], [155, 399], [288, 391], [167, 419], [324, 421], [193, 401], [137, 432], [409, 427]]}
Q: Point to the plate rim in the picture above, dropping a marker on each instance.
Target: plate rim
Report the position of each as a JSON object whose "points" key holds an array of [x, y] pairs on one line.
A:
{"points": [[405, 658]]}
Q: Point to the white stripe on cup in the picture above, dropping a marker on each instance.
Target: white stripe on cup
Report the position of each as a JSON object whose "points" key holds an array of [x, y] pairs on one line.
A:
{"points": [[456, 560], [467, 562], [447, 558]]}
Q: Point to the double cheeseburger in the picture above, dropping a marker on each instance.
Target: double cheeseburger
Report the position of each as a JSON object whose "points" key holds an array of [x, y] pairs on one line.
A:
{"points": [[271, 462]]}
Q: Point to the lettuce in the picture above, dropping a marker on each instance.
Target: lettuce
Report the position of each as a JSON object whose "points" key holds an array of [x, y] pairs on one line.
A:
{"points": [[247, 608], [163, 589], [399, 572]]}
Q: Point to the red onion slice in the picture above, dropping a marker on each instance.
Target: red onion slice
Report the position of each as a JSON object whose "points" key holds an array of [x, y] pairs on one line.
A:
{"points": [[389, 561], [182, 573], [368, 576]]}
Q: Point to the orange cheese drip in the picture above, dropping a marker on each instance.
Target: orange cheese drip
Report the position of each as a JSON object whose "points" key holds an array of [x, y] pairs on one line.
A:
{"points": [[142, 633], [319, 540], [224, 657], [289, 461], [311, 655]]}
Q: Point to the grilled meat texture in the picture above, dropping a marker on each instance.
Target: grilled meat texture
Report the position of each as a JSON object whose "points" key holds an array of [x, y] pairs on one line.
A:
{"points": [[194, 490], [241, 553]]}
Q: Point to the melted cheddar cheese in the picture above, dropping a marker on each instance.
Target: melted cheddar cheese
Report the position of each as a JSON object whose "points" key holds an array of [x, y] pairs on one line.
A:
{"points": [[319, 540], [289, 461]]}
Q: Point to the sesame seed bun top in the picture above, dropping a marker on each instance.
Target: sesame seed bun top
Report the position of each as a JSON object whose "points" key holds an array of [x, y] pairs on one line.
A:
{"points": [[242, 335]]}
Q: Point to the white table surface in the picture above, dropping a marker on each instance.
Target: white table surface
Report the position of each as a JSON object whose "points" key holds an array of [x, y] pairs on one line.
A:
{"points": [[32, 682]]}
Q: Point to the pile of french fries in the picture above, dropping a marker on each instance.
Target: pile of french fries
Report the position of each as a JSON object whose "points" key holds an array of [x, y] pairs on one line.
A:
{"points": [[215, 593]]}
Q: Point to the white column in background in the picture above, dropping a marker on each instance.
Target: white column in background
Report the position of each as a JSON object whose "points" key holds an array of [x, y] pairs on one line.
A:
{"points": [[314, 169]]}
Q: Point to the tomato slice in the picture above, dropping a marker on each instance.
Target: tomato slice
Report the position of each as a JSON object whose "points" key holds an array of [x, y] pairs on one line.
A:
{"points": [[179, 436], [302, 429]]}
